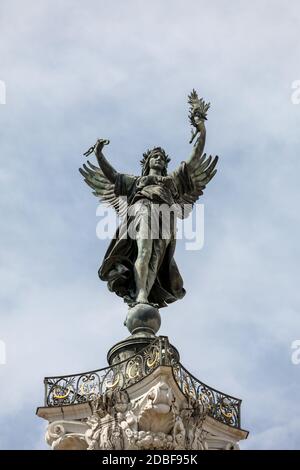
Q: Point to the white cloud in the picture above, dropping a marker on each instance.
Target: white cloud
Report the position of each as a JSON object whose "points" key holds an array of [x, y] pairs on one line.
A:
{"points": [[74, 73]]}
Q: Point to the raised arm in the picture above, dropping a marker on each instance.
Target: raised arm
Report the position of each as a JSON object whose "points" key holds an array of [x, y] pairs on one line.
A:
{"points": [[197, 116], [198, 146], [110, 173], [193, 175]]}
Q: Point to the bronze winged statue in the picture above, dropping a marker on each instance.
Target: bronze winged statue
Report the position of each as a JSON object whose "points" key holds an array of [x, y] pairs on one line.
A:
{"points": [[142, 268]]}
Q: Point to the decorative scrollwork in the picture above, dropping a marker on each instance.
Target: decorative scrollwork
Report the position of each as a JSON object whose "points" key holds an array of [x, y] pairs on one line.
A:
{"points": [[61, 391], [151, 358], [134, 369], [114, 382], [86, 387], [222, 407]]}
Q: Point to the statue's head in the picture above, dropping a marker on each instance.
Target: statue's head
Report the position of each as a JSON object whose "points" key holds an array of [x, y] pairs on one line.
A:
{"points": [[156, 159]]}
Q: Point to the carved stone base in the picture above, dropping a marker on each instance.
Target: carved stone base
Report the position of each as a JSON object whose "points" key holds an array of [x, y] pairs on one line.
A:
{"points": [[152, 413]]}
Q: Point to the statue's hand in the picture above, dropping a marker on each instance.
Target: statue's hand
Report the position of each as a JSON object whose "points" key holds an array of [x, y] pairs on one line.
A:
{"points": [[99, 145], [97, 148], [197, 113], [199, 123]]}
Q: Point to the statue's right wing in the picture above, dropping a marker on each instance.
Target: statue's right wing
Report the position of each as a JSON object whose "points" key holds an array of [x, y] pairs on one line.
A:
{"points": [[103, 188]]}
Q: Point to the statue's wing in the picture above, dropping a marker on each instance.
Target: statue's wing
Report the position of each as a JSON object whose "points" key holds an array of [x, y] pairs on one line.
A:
{"points": [[193, 181], [103, 188]]}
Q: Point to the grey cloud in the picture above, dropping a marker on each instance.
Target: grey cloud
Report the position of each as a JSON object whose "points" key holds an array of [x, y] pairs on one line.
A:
{"points": [[75, 73]]}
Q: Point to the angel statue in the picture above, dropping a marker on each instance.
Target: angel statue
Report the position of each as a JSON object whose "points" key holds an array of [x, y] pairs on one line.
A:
{"points": [[142, 268]]}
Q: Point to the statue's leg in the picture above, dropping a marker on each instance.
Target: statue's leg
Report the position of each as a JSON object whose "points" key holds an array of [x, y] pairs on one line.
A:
{"points": [[158, 252], [141, 266]]}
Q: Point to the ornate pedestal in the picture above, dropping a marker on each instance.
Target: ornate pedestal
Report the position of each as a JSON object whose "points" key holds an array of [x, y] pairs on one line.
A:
{"points": [[148, 400]]}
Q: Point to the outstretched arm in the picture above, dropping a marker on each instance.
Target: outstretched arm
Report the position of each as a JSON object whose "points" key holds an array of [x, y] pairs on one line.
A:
{"points": [[198, 146], [110, 173]]}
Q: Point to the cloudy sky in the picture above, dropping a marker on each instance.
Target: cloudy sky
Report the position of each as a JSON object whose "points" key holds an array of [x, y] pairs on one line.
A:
{"points": [[77, 71]]}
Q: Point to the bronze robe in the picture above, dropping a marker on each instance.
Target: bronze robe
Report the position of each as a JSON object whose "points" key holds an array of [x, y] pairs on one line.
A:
{"points": [[145, 194]]}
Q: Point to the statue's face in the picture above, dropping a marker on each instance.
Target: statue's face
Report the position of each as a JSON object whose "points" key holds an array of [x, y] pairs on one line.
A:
{"points": [[157, 162]]}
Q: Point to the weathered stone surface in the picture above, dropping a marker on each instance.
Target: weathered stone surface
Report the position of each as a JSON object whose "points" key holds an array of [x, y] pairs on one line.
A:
{"points": [[151, 414]]}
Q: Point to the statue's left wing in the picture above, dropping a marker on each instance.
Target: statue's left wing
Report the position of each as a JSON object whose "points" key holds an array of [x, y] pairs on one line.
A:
{"points": [[103, 188], [191, 180]]}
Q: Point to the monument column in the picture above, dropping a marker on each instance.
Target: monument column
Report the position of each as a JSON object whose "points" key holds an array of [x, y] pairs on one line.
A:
{"points": [[144, 398]]}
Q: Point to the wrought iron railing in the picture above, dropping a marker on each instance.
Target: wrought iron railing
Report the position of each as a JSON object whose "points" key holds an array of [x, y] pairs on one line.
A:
{"points": [[219, 405], [82, 388]]}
